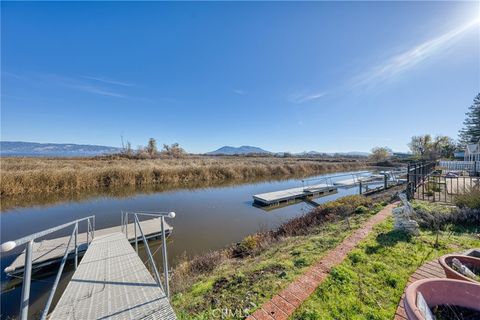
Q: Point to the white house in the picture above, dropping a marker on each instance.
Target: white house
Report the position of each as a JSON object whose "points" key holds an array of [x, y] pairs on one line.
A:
{"points": [[472, 152]]}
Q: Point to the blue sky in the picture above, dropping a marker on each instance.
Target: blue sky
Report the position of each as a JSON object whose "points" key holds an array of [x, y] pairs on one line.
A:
{"points": [[289, 76]]}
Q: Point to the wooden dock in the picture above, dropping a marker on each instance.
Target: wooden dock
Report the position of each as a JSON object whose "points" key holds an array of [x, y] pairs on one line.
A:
{"points": [[50, 251], [111, 282], [282, 196]]}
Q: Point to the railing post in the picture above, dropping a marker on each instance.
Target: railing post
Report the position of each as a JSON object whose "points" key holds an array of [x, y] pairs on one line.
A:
{"points": [[165, 259], [76, 245], [88, 230], [360, 187], [93, 236], [136, 239], [26, 281], [126, 224], [121, 220]]}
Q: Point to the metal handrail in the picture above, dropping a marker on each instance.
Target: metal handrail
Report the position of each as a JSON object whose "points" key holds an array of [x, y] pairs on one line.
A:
{"points": [[124, 220], [27, 270], [336, 176]]}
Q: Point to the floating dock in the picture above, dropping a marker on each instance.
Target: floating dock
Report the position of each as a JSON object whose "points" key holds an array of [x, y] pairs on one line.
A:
{"points": [[50, 251], [111, 282], [282, 196]]}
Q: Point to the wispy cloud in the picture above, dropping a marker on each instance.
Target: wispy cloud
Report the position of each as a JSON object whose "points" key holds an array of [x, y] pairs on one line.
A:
{"points": [[305, 96], [108, 81], [400, 63], [240, 92], [96, 90], [82, 83]]}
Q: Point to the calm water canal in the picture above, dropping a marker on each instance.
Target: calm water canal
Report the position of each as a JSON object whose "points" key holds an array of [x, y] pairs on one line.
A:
{"points": [[206, 219]]}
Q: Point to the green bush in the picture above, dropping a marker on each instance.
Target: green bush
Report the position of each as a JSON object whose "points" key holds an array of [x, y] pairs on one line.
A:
{"points": [[361, 209], [439, 217], [470, 199]]}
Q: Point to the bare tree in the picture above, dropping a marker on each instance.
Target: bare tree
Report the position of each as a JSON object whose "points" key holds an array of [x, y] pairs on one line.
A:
{"points": [[380, 154], [152, 147], [174, 150], [426, 147]]}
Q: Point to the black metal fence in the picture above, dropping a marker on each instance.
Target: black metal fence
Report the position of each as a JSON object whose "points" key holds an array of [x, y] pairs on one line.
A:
{"points": [[424, 182], [417, 173]]}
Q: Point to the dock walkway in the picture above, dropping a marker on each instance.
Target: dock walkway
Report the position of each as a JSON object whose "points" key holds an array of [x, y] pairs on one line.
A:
{"points": [[277, 197], [111, 282], [50, 251]]}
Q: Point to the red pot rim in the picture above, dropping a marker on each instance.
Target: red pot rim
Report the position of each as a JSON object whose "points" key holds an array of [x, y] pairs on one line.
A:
{"points": [[441, 291], [443, 262]]}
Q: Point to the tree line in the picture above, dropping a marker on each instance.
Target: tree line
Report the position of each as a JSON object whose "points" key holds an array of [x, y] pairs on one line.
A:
{"points": [[151, 150], [432, 148]]}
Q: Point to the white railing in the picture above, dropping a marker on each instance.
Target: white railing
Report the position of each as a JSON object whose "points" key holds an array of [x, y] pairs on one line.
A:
{"points": [[27, 270], [136, 224]]}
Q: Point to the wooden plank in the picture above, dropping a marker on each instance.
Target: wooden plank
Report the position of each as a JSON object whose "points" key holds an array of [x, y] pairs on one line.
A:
{"points": [[46, 252], [111, 282], [428, 270]]}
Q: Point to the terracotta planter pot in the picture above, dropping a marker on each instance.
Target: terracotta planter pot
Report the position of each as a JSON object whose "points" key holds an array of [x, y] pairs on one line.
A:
{"points": [[446, 262], [441, 292]]}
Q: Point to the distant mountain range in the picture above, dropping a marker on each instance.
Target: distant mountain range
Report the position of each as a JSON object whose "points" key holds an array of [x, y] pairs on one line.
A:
{"points": [[242, 150], [227, 150], [33, 149]]}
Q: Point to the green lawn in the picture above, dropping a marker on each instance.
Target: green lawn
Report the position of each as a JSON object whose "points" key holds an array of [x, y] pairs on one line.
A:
{"points": [[370, 282], [244, 284]]}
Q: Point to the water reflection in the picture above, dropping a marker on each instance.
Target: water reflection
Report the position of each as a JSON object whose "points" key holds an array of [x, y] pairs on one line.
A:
{"points": [[207, 219]]}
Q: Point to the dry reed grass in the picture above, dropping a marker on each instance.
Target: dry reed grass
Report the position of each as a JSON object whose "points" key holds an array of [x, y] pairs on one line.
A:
{"points": [[22, 176]]}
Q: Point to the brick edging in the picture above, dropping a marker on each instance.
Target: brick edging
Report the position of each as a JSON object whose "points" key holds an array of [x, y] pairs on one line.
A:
{"points": [[283, 304]]}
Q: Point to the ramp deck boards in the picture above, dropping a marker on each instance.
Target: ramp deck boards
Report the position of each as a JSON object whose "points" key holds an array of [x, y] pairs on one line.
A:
{"points": [[111, 282], [46, 252]]}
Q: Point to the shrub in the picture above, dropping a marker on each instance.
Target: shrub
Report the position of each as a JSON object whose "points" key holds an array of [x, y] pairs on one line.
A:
{"points": [[300, 262], [250, 245], [470, 199], [338, 209], [356, 257], [361, 209], [206, 262], [438, 217]]}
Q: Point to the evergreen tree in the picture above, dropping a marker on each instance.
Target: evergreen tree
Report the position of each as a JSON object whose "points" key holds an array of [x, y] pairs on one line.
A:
{"points": [[471, 131]]}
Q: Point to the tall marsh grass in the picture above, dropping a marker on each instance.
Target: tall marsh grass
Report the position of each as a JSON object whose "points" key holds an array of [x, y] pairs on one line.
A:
{"points": [[28, 176]]}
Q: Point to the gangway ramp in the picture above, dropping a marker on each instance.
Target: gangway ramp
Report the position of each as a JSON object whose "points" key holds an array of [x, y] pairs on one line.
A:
{"points": [[47, 252], [111, 282]]}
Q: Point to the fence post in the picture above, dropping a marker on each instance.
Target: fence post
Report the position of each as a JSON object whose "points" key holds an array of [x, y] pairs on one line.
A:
{"points": [[26, 281]]}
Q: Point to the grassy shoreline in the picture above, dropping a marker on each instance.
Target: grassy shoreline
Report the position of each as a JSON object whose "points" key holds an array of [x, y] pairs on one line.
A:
{"points": [[242, 277], [46, 176], [370, 282]]}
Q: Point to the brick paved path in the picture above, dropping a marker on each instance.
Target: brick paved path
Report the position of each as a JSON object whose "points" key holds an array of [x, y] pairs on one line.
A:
{"points": [[282, 305]]}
